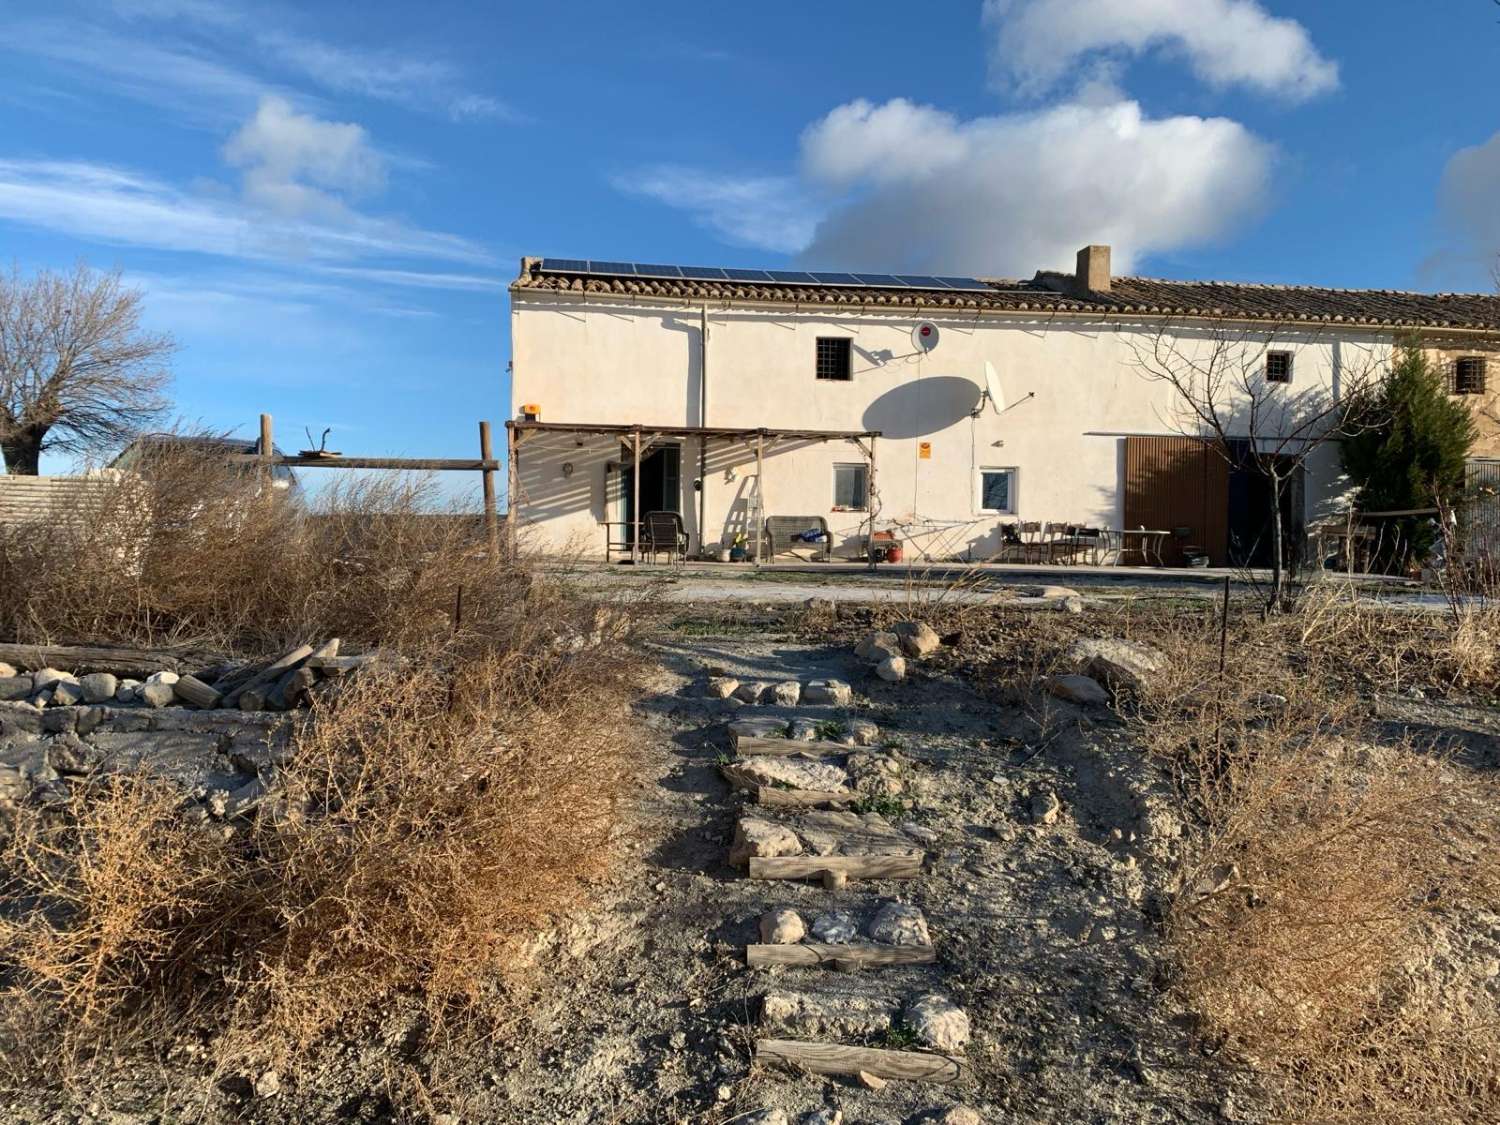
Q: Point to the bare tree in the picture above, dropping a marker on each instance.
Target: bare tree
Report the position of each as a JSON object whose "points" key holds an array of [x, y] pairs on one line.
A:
{"points": [[1270, 421], [77, 372]]}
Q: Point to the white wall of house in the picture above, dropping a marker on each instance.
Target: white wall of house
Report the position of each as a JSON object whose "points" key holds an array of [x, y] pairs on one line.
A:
{"points": [[1073, 385]]}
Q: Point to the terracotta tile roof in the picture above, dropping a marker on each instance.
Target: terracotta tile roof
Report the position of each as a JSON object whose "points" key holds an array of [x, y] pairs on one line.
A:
{"points": [[1049, 292]]}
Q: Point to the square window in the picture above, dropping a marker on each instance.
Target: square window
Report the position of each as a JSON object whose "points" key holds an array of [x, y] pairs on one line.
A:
{"points": [[835, 358], [1278, 367], [997, 491], [1468, 375], [849, 487]]}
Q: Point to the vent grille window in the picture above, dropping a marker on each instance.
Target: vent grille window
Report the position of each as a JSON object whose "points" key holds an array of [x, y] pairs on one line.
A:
{"points": [[835, 358], [1468, 375], [1278, 367]]}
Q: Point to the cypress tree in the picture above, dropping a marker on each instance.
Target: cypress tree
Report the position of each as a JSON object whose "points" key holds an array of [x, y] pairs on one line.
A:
{"points": [[1411, 451]]}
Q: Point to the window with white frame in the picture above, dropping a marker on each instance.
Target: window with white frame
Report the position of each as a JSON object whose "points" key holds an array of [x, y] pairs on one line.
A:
{"points": [[849, 487], [996, 490]]}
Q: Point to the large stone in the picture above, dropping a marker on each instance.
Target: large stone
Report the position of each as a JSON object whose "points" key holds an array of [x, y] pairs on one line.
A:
{"points": [[892, 669], [765, 1117], [864, 732], [157, 694], [918, 638], [782, 926], [129, 691], [834, 692], [59, 720], [787, 693], [837, 927], [16, 687], [1077, 689], [99, 686], [833, 1017], [162, 678], [68, 753], [190, 760], [878, 646], [759, 839], [1117, 663], [953, 1115], [803, 730], [66, 693], [6, 670], [896, 923], [823, 1117], [757, 728], [751, 692], [90, 719], [44, 679], [721, 687], [14, 788], [938, 1022], [1044, 807], [799, 774]]}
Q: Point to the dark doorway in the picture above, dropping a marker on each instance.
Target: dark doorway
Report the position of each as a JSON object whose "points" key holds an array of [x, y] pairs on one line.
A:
{"points": [[661, 484], [1251, 538]]}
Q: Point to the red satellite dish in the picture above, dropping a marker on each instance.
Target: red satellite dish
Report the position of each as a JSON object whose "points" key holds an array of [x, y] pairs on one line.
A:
{"points": [[924, 337]]}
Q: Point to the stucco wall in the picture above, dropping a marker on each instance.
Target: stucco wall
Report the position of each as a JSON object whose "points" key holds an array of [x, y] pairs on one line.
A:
{"points": [[1074, 388], [1485, 408]]}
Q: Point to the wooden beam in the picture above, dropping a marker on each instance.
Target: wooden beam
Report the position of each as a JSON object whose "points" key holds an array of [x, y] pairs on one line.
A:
{"points": [[853, 866], [760, 490], [266, 449], [792, 798], [635, 485], [487, 455], [512, 485], [835, 1058], [785, 747], [274, 670], [821, 953], [134, 662]]}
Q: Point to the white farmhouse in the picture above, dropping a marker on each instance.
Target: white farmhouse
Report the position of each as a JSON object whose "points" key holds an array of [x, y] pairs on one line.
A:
{"points": [[931, 410]]}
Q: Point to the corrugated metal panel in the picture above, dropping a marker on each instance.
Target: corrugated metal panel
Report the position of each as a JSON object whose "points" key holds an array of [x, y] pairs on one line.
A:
{"points": [[1481, 513], [1173, 482]]}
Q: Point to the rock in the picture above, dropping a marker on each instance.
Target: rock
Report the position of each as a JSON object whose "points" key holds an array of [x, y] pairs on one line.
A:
{"points": [[794, 772], [892, 669], [787, 693], [757, 728], [6, 670], [765, 1117], [157, 694], [824, 1117], [1044, 807], [128, 692], [919, 832], [837, 927], [162, 678], [820, 605], [1046, 592], [99, 687], [896, 923], [66, 693], [834, 1016], [782, 926], [834, 692], [16, 687], [1077, 689], [40, 699], [802, 730], [57, 720], [954, 1115], [722, 687], [754, 837], [878, 646], [268, 1085], [752, 691], [870, 1081], [834, 880], [918, 638], [938, 1022], [1117, 663], [14, 787], [44, 679], [865, 732], [1070, 605]]}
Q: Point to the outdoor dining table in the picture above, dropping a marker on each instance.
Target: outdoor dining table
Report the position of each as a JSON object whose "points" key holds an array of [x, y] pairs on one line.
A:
{"points": [[1147, 543]]}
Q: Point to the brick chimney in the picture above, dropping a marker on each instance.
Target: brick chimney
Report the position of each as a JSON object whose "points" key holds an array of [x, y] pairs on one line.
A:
{"points": [[1092, 275]]}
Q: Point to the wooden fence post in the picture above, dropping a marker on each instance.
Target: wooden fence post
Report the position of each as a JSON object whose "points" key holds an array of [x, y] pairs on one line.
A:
{"points": [[487, 454]]}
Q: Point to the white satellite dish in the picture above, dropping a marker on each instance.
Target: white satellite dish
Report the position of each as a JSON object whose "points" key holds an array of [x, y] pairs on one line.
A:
{"points": [[924, 337], [992, 392]]}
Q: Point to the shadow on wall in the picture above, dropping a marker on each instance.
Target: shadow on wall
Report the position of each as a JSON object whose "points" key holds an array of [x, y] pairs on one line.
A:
{"points": [[921, 407]]}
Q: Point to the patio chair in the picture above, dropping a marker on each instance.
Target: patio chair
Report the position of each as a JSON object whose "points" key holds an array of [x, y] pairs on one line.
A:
{"points": [[663, 533], [791, 533], [1034, 541], [1012, 546]]}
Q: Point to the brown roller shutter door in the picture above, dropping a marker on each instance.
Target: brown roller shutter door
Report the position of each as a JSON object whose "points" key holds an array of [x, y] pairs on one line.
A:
{"points": [[1175, 482]]}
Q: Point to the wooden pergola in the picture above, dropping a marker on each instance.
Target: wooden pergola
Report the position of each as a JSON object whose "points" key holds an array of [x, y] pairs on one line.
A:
{"points": [[760, 440]]}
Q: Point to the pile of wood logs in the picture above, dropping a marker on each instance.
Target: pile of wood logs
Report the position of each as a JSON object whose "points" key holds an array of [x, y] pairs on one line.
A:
{"points": [[281, 685]]}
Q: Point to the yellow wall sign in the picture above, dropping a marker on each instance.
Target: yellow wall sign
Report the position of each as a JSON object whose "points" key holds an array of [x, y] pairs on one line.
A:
{"points": [[924, 450]]}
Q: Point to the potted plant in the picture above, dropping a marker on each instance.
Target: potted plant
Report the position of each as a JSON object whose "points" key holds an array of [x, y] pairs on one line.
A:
{"points": [[737, 551]]}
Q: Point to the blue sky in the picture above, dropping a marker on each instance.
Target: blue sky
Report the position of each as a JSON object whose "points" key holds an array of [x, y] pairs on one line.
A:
{"points": [[323, 202]]}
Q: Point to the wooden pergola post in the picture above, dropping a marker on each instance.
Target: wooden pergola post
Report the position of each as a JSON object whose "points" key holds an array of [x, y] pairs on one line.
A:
{"points": [[870, 505], [760, 490], [635, 485], [487, 454]]}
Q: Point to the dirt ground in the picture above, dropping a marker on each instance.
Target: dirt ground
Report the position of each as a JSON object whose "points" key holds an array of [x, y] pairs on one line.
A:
{"points": [[1045, 926]]}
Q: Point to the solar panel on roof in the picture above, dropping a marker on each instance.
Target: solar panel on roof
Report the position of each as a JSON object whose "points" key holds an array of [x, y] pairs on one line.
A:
{"points": [[836, 279], [964, 283], [747, 275], [564, 265], [625, 269], [923, 282], [791, 277], [879, 280], [658, 271]]}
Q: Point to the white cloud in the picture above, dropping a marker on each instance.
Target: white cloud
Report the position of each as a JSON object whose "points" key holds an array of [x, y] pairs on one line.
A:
{"points": [[116, 206], [771, 212], [1039, 43], [911, 189], [292, 161], [1470, 187]]}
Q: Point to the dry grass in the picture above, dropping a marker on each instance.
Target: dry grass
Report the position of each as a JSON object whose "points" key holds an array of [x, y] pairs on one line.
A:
{"points": [[413, 844]]}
